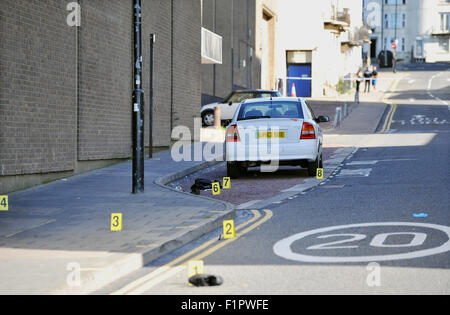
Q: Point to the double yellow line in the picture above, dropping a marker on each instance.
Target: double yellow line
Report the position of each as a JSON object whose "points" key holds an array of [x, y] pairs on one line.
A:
{"points": [[388, 120], [390, 115], [162, 273]]}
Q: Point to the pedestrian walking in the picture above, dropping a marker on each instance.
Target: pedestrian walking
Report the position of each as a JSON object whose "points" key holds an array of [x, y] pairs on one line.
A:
{"points": [[359, 78], [374, 78], [367, 77]]}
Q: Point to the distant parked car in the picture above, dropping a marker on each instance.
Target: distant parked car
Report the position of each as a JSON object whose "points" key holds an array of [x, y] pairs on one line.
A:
{"points": [[229, 105], [288, 124], [385, 62]]}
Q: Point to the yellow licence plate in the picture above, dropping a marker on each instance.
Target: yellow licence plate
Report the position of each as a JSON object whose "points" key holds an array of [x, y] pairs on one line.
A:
{"points": [[271, 134]]}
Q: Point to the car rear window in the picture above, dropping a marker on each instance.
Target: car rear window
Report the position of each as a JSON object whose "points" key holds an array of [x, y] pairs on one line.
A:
{"points": [[270, 110], [267, 94]]}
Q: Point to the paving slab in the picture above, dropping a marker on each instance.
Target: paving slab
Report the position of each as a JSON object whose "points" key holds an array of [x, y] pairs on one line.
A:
{"points": [[56, 234]]}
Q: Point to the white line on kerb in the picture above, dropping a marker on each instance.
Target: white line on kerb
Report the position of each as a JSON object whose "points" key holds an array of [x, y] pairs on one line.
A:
{"points": [[435, 97]]}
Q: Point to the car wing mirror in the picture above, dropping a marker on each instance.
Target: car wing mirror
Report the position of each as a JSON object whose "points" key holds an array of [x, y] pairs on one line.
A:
{"points": [[322, 119]]}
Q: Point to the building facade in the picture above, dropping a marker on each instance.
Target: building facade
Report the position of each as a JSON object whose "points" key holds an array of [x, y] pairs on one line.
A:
{"points": [[420, 29], [247, 30], [318, 43], [67, 70]]}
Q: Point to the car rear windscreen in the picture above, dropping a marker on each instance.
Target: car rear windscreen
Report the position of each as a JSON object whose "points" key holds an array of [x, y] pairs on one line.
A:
{"points": [[270, 110]]}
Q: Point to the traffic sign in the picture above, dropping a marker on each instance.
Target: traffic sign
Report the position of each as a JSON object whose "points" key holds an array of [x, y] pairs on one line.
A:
{"points": [[394, 46]]}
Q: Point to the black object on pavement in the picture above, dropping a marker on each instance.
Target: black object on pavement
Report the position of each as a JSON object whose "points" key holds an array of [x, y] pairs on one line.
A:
{"points": [[202, 184], [203, 280]]}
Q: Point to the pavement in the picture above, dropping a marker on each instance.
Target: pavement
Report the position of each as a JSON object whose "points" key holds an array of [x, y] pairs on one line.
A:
{"points": [[55, 230], [56, 238]]}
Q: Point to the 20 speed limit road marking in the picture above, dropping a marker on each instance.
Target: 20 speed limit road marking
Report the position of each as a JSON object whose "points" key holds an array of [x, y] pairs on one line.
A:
{"points": [[163, 273], [283, 248]]}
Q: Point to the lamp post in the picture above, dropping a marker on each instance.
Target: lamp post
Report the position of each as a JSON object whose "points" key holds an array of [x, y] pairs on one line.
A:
{"points": [[138, 106]]}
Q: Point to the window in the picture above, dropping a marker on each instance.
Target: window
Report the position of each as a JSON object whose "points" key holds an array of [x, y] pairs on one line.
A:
{"points": [[403, 44], [445, 22], [419, 48], [237, 97], [403, 20], [270, 110], [443, 44], [396, 20], [393, 2], [386, 21]]}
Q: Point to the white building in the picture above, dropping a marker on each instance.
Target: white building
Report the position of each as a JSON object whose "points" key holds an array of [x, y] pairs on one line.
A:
{"points": [[420, 28], [318, 41]]}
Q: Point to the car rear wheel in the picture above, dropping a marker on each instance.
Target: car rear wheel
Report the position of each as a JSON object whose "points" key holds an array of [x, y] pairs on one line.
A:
{"points": [[208, 118], [313, 166]]}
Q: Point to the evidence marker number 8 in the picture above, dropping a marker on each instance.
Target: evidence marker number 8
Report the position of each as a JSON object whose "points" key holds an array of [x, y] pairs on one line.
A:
{"points": [[319, 174]]}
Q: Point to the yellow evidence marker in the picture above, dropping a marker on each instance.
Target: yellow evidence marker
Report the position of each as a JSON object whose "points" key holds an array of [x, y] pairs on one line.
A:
{"points": [[319, 174], [116, 222], [3, 203], [216, 188], [195, 267], [226, 183], [228, 229]]}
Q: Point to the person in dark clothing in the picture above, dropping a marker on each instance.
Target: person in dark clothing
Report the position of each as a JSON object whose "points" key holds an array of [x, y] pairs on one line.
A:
{"points": [[359, 78], [367, 76], [374, 78]]}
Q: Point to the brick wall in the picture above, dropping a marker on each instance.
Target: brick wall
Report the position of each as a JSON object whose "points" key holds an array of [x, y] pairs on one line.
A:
{"points": [[186, 59], [65, 92], [105, 87], [37, 88], [157, 16]]}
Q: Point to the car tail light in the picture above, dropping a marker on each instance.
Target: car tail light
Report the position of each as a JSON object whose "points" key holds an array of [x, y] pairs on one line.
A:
{"points": [[233, 134], [308, 131]]}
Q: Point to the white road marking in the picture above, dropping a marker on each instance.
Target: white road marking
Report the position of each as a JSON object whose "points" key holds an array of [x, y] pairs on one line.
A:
{"points": [[432, 95], [157, 280], [283, 248], [365, 172], [247, 204], [362, 163], [372, 162]]}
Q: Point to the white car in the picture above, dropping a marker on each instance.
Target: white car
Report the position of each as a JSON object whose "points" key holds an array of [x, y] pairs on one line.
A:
{"points": [[229, 105], [276, 131]]}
